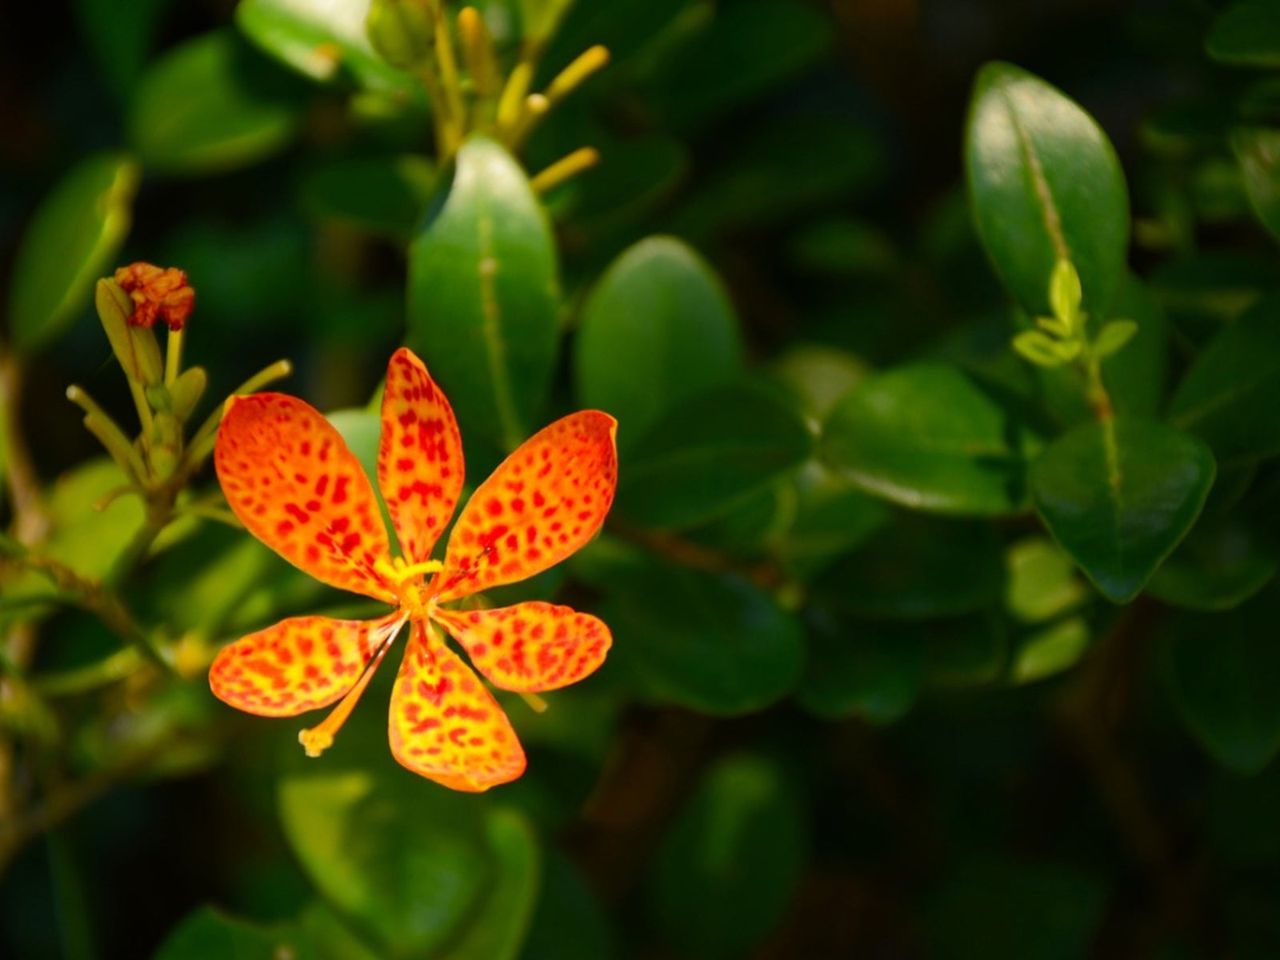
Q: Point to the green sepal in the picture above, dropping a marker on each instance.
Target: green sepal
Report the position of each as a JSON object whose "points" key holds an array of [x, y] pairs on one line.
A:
{"points": [[187, 390]]}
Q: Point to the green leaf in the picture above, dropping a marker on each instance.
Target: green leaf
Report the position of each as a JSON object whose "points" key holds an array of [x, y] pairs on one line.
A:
{"points": [[1113, 337], [715, 643], [208, 934], [830, 520], [1045, 186], [1224, 561], [568, 903], [915, 569], [322, 40], [731, 863], [1042, 581], [211, 105], [72, 239], [845, 249], [711, 454], [1246, 34], [1231, 395], [1258, 151], [1045, 351], [657, 330], [927, 436], [498, 931], [859, 670], [1223, 671], [818, 375], [746, 50], [386, 195], [483, 293], [331, 937], [1050, 650], [404, 859], [1119, 496]]}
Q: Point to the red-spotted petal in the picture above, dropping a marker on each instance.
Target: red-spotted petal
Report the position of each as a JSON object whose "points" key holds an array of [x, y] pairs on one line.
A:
{"points": [[445, 725], [299, 664], [420, 458], [542, 504], [289, 477], [530, 647]]}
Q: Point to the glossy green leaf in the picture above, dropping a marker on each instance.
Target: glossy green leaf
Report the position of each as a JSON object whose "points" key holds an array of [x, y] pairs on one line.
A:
{"points": [[657, 330], [859, 670], [386, 195], [929, 437], [1136, 377], [404, 859], [710, 454], [72, 239], [917, 568], [1045, 185], [1224, 561], [746, 50], [1223, 671], [715, 643], [208, 934], [1231, 395], [1258, 151], [1119, 496], [498, 931], [729, 867], [1246, 34], [211, 105], [483, 293], [322, 40]]}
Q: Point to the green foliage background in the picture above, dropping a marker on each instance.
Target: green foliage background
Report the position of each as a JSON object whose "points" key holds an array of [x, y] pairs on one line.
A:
{"points": [[925, 646]]}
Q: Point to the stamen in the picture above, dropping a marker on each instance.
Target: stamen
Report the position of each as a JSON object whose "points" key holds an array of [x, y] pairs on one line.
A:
{"points": [[318, 739]]}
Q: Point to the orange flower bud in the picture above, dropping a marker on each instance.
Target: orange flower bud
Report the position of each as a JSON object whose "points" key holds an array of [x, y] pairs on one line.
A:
{"points": [[157, 294]]}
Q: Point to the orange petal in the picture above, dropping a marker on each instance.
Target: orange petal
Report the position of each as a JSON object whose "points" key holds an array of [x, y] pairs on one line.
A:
{"points": [[530, 647], [445, 725], [299, 664], [420, 457], [289, 477], [542, 504]]}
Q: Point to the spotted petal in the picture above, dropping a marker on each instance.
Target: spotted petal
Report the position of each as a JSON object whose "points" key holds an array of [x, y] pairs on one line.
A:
{"points": [[530, 647], [299, 664], [289, 477], [420, 457], [542, 504], [445, 725]]}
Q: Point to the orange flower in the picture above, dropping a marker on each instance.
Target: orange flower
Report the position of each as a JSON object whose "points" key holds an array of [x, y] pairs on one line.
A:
{"points": [[292, 481]]}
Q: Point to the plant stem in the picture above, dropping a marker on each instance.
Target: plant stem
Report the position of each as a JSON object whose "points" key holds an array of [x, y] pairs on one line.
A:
{"points": [[30, 520]]}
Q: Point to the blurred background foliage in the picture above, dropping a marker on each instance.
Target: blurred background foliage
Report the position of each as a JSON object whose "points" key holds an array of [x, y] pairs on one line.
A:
{"points": [[922, 649]]}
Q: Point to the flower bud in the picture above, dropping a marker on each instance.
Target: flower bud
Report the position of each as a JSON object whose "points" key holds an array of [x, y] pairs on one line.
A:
{"points": [[402, 32], [187, 391], [157, 294], [134, 346]]}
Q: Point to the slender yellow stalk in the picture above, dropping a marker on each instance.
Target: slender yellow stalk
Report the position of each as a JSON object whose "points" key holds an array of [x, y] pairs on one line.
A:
{"points": [[585, 65], [173, 356], [566, 168]]}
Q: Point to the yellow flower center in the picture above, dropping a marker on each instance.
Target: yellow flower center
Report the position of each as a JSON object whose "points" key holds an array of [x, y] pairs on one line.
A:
{"points": [[417, 600]]}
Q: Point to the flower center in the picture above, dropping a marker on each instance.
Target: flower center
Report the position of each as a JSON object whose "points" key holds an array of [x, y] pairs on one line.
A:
{"points": [[417, 599]]}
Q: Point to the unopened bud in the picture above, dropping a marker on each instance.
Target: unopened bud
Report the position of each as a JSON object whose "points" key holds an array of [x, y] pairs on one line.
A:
{"points": [[187, 390], [401, 32], [135, 347]]}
